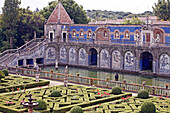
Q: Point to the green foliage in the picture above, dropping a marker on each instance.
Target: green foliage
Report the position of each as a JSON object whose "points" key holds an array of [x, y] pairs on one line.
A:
{"points": [[41, 105], [162, 9], [55, 94], [5, 71], [10, 18], [99, 15], [143, 94], [133, 21], [75, 11], [148, 107], [76, 109], [2, 75], [116, 90]]}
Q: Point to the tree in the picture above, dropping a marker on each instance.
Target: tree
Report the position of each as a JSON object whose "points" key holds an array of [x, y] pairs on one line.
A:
{"points": [[29, 22], [135, 20], [10, 18], [162, 9], [75, 11]]}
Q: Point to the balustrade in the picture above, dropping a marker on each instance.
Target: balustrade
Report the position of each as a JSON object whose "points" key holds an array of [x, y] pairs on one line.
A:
{"points": [[158, 91]]}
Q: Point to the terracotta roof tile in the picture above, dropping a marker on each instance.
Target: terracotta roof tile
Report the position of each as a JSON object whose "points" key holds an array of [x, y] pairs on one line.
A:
{"points": [[64, 17]]}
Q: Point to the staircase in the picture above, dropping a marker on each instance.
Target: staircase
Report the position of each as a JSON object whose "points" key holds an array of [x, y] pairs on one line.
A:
{"points": [[13, 53]]}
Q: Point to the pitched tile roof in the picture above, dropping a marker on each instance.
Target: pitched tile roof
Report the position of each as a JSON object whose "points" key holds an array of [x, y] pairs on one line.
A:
{"points": [[59, 13]]}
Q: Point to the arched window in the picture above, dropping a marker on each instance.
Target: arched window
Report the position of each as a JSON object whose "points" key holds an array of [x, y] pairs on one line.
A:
{"points": [[159, 36], [105, 34], [89, 34], [81, 33], [137, 35], [116, 35], [126, 34], [74, 33]]}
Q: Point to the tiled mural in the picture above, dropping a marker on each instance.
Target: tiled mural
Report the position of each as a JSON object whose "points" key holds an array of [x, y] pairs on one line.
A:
{"points": [[116, 60], [63, 55], [72, 56], [164, 62], [50, 55], [104, 59], [83, 57], [129, 61]]}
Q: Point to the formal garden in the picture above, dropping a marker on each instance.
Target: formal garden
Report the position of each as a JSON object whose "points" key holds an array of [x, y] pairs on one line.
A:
{"points": [[12, 83], [74, 98]]}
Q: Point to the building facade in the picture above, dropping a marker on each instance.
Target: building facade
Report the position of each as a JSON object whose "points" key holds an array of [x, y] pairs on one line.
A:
{"points": [[133, 48]]}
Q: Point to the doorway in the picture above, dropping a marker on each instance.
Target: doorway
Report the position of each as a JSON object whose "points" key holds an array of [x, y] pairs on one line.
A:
{"points": [[146, 61], [93, 57]]}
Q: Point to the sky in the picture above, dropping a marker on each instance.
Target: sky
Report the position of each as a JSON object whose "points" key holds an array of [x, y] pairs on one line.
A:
{"points": [[134, 6]]}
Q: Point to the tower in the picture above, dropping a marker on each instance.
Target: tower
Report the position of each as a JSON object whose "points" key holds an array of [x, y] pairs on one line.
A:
{"points": [[56, 23]]}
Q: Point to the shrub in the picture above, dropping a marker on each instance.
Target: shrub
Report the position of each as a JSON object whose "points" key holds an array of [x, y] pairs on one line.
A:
{"points": [[5, 71], [76, 109], [148, 107], [41, 105], [55, 94], [143, 94], [2, 75], [116, 90]]}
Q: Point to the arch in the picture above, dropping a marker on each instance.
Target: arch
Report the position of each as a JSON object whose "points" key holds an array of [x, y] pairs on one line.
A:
{"points": [[72, 56], [116, 59], [104, 58], [63, 55], [92, 57], [89, 33], [137, 35], [82, 57], [159, 35], [164, 61], [116, 34], [129, 60], [102, 33], [74, 33], [126, 34], [81, 35], [146, 61]]}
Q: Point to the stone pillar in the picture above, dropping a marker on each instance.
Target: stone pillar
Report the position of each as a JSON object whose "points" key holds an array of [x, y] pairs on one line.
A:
{"points": [[24, 62], [141, 41]]}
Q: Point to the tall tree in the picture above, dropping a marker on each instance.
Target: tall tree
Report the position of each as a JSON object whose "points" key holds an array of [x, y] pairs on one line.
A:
{"points": [[29, 22], [162, 9], [10, 18], [74, 10]]}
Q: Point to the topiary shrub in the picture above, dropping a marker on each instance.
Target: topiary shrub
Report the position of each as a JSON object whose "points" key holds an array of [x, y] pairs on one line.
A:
{"points": [[116, 90], [5, 71], [41, 105], [148, 107], [2, 75], [76, 109], [143, 94], [55, 94]]}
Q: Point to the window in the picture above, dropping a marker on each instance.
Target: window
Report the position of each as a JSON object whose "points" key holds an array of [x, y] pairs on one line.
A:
{"points": [[89, 33], [51, 36], [117, 36], [137, 35], [126, 34], [81, 33], [74, 33], [105, 34]]}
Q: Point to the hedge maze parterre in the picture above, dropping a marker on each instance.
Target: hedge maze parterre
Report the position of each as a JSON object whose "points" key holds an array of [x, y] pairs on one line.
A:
{"points": [[129, 105], [14, 83], [71, 96]]}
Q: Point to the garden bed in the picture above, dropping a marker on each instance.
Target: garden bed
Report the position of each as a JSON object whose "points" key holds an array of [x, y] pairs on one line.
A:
{"points": [[14, 83], [129, 105], [71, 96]]}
